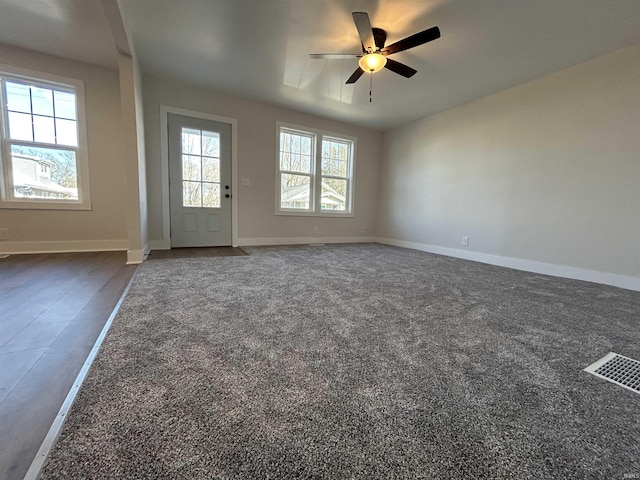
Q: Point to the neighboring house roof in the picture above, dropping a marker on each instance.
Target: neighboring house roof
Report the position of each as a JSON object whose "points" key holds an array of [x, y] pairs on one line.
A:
{"points": [[301, 193], [25, 175]]}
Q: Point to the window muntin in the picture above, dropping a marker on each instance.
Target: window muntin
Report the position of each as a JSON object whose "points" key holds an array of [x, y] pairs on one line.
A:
{"points": [[44, 160], [314, 172]]}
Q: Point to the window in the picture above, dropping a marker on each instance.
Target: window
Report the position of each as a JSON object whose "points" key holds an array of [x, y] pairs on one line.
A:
{"points": [[200, 168], [44, 155], [314, 172]]}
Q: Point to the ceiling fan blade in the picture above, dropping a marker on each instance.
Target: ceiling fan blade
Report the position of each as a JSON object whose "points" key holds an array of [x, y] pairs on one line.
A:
{"points": [[361, 19], [400, 68], [379, 37], [334, 55], [419, 38], [355, 76]]}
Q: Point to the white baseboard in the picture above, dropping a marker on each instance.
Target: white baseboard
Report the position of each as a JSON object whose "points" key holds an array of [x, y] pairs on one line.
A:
{"points": [[135, 257], [160, 245], [622, 281], [66, 246], [254, 242]]}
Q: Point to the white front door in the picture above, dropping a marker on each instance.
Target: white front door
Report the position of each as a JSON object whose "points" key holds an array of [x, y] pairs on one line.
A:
{"points": [[199, 182]]}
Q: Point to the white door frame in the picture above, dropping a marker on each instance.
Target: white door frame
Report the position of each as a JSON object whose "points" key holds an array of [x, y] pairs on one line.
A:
{"points": [[164, 166]]}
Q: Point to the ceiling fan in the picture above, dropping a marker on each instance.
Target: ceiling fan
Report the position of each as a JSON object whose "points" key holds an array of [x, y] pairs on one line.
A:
{"points": [[374, 54]]}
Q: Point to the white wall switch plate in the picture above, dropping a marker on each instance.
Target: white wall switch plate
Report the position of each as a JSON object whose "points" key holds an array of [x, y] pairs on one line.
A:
{"points": [[465, 241], [245, 181]]}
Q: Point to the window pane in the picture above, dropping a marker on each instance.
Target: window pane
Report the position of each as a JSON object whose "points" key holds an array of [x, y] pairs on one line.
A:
{"points": [[18, 97], [191, 167], [65, 104], [44, 173], [305, 146], [191, 194], [335, 158], [20, 126], [291, 142], [42, 101], [43, 129], [334, 194], [300, 163], [210, 169], [285, 161], [210, 144], [334, 167], [295, 191], [211, 195], [191, 141], [285, 142], [66, 132], [295, 152], [295, 143]]}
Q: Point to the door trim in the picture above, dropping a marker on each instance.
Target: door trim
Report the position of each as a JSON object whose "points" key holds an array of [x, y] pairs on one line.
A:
{"points": [[165, 110]]}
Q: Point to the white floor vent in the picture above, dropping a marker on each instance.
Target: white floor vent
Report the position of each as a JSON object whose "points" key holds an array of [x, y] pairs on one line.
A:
{"points": [[618, 369]]}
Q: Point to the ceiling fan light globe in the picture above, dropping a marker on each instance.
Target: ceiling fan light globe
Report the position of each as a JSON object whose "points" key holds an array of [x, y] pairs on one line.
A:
{"points": [[372, 62]]}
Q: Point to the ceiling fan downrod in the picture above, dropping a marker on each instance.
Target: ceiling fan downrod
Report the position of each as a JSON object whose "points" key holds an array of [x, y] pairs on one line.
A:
{"points": [[370, 84]]}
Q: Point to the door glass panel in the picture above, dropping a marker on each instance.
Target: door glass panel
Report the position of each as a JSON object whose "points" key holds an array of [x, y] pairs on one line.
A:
{"points": [[211, 195], [201, 168], [211, 169], [191, 141], [191, 194], [210, 144], [191, 167]]}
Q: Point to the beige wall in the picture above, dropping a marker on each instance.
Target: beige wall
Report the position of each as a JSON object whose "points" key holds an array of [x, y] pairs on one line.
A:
{"points": [[104, 226], [548, 171], [256, 161]]}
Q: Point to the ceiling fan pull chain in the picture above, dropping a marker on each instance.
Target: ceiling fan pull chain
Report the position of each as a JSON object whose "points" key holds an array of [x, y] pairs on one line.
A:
{"points": [[370, 85]]}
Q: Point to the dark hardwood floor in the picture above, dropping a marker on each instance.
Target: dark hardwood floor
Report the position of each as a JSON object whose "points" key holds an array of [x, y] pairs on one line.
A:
{"points": [[52, 309]]}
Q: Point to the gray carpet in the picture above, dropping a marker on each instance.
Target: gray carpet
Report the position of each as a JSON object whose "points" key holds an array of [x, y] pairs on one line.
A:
{"points": [[355, 361]]}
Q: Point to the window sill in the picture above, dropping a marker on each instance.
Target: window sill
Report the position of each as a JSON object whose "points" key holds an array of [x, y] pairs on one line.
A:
{"points": [[314, 214], [43, 205]]}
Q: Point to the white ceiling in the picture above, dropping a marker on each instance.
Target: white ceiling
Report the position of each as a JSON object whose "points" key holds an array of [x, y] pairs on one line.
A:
{"points": [[75, 29], [259, 48]]}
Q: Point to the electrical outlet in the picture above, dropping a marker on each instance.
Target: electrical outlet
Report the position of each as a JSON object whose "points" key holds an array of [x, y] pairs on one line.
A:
{"points": [[465, 241], [4, 233], [315, 229]]}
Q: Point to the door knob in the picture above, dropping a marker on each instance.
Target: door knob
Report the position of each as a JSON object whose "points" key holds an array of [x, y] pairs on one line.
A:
{"points": [[227, 195], [226, 187]]}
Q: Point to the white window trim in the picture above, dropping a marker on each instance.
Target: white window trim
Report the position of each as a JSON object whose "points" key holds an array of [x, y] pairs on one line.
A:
{"points": [[82, 151], [316, 176]]}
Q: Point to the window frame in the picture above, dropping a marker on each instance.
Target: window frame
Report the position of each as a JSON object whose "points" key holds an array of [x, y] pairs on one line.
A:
{"points": [[44, 80], [317, 137]]}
